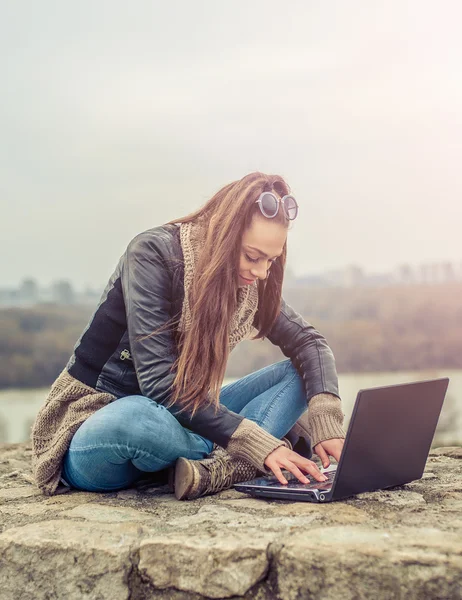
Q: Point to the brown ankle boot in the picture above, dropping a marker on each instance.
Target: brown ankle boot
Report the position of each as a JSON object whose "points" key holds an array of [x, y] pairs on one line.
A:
{"points": [[219, 471]]}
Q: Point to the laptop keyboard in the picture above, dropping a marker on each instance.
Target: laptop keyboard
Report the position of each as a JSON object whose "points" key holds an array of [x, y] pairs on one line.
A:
{"points": [[315, 485], [329, 474], [294, 483]]}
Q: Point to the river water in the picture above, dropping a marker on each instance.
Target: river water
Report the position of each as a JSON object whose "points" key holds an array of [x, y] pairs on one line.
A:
{"points": [[19, 407]]}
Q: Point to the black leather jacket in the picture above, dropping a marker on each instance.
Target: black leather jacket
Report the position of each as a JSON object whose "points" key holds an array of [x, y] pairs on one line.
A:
{"points": [[146, 290]]}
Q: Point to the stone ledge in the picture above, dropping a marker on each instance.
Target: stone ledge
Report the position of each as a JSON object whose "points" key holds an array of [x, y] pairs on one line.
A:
{"points": [[141, 543]]}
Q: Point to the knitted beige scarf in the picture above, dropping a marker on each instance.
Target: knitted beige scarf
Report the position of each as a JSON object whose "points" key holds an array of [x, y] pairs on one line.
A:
{"points": [[192, 236]]}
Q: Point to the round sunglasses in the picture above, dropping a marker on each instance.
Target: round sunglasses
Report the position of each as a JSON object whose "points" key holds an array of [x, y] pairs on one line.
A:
{"points": [[269, 205]]}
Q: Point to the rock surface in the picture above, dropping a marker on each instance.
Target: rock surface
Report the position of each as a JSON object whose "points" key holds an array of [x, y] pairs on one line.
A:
{"points": [[140, 543]]}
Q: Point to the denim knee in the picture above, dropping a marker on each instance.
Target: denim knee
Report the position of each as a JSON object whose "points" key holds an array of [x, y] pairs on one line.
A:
{"points": [[131, 418], [139, 415], [293, 373], [291, 370]]}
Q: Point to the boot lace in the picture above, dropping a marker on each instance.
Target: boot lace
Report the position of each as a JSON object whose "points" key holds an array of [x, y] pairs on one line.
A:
{"points": [[221, 474]]}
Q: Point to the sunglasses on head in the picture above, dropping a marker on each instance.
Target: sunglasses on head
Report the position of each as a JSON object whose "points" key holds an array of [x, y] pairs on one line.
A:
{"points": [[269, 205]]}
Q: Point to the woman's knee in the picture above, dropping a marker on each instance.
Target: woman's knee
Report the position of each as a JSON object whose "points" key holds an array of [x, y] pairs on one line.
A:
{"points": [[133, 407], [139, 417], [291, 371], [286, 374], [131, 418], [296, 380], [282, 369]]}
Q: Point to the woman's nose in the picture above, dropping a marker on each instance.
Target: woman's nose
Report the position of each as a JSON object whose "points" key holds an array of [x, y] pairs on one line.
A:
{"points": [[260, 271]]}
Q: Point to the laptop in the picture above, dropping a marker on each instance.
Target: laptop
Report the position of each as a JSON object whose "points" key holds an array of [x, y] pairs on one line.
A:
{"points": [[387, 444]]}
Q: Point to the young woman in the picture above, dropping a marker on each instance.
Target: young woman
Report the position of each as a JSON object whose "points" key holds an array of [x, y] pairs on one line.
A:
{"points": [[143, 389]]}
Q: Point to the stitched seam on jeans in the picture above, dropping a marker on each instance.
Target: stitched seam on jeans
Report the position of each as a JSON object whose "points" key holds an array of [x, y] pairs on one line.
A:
{"points": [[87, 448], [288, 365], [235, 384], [270, 406], [87, 483]]}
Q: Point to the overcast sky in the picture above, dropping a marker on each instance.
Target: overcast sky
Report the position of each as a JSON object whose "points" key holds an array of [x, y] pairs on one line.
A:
{"points": [[118, 116]]}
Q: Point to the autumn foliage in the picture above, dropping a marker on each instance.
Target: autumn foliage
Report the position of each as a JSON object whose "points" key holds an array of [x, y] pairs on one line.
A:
{"points": [[369, 329]]}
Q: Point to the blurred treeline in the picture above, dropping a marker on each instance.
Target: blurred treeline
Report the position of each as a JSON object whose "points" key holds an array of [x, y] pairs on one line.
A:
{"points": [[393, 328], [37, 342], [369, 329]]}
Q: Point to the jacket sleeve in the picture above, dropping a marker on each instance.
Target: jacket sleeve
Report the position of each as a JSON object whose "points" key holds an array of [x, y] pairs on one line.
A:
{"points": [[315, 363], [308, 351], [147, 290]]}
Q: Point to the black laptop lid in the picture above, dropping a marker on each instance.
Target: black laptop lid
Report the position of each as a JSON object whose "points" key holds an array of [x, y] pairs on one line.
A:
{"points": [[389, 437]]}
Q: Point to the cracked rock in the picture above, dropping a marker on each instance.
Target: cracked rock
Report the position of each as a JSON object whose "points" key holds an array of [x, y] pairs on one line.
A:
{"points": [[142, 544]]}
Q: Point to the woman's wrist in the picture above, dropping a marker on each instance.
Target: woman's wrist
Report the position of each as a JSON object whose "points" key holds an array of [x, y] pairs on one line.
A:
{"points": [[252, 443], [325, 418]]}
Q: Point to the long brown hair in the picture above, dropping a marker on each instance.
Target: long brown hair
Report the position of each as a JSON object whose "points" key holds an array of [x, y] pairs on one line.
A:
{"points": [[203, 348]]}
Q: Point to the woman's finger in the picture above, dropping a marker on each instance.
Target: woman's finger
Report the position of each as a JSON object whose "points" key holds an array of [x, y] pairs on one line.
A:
{"points": [[282, 457], [304, 463], [333, 447], [295, 471], [337, 451], [277, 473], [312, 468], [322, 455]]}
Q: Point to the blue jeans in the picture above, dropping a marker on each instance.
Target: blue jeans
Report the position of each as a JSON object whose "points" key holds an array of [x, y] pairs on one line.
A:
{"points": [[118, 443]]}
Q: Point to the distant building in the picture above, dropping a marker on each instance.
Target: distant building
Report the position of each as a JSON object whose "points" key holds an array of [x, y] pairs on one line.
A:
{"points": [[378, 279], [405, 274], [306, 281], [63, 292], [9, 297], [425, 273], [353, 276], [28, 293], [447, 272], [89, 297], [350, 276]]}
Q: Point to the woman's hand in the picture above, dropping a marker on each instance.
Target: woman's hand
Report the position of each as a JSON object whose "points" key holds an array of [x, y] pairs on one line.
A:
{"points": [[283, 458], [328, 448]]}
